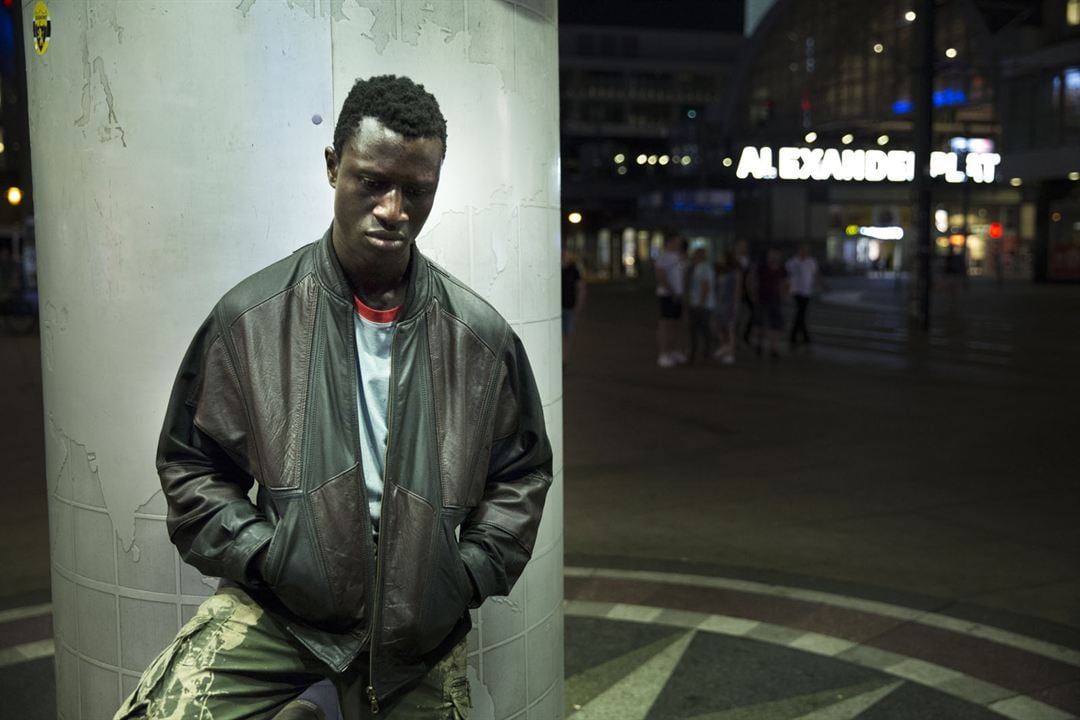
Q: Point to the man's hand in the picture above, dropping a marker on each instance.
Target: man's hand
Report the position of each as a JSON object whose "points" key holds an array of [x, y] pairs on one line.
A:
{"points": [[259, 561]]}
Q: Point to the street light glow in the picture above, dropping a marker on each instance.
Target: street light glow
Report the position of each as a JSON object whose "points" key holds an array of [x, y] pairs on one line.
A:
{"points": [[811, 136], [641, 159], [1016, 182], [622, 170], [653, 159], [879, 48], [574, 218], [728, 162], [685, 159], [950, 53], [848, 139], [664, 160], [619, 158], [883, 140], [910, 16], [1074, 175], [14, 195]]}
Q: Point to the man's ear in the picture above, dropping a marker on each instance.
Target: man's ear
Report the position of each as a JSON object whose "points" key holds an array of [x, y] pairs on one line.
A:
{"points": [[331, 165]]}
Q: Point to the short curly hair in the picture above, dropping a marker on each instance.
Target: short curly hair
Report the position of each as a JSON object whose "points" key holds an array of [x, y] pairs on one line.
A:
{"points": [[397, 102]]}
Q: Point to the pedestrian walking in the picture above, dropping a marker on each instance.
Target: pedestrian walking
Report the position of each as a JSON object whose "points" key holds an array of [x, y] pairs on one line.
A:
{"points": [[745, 267], [771, 284], [729, 291], [670, 270], [702, 301], [802, 272], [573, 301]]}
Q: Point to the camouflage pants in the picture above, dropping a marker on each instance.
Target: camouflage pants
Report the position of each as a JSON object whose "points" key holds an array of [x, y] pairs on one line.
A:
{"points": [[231, 661]]}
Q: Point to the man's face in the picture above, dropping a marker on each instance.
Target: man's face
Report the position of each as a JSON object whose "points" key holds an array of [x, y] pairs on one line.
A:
{"points": [[384, 186]]}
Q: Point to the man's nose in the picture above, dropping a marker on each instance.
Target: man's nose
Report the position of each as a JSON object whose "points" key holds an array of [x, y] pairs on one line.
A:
{"points": [[390, 209]]}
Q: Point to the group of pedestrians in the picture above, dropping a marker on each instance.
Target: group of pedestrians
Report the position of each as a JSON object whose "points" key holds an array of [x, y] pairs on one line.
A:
{"points": [[718, 295]]}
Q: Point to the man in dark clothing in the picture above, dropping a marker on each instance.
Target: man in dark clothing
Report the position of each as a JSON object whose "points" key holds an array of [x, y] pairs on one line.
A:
{"points": [[392, 424], [573, 300], [771, 287]]}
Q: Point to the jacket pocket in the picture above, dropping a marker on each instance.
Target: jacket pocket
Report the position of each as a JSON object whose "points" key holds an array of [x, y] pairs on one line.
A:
{"points": [[294, 571], [449, 593], [411, 572]]}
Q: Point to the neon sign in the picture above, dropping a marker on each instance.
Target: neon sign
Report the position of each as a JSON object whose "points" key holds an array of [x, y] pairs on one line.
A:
{"points": [[806, 163]]}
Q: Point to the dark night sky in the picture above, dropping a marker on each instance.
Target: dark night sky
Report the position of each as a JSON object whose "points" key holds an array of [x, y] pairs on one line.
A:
{"points": [[715, 15]]}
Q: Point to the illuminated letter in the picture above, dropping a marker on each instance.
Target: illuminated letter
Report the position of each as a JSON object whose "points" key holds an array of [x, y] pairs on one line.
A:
{"points": [[898, 170], [831, 167], [989, 162], [973, 167], [788, 163], [953, 174], [854, 164], [811, 158], [876, 165], [749, 163], [939, 163]]}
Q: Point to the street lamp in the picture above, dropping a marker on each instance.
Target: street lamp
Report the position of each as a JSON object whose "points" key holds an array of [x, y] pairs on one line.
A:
{"points": [[574, 218]]}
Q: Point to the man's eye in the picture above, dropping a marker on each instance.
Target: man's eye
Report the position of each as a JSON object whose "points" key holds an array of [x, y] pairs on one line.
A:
{"points": [[373, 184], [417, 191]]}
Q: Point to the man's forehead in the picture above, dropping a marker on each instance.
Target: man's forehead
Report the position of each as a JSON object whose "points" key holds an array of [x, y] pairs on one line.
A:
{"points": [[372, 136]]}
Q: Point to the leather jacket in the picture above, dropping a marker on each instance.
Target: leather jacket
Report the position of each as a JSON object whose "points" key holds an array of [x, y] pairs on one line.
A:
{"points": [[267, 394]]}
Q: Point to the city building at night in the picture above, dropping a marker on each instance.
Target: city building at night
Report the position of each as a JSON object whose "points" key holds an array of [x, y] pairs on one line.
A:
{"points": [[817, 137], [634, 114], [1040, 81]]}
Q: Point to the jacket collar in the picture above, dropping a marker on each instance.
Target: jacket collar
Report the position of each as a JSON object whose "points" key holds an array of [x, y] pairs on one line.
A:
{"points": [[332, 276]]}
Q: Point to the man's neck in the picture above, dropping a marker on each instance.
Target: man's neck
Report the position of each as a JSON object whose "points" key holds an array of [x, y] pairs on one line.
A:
{"points": [[380, 285]]}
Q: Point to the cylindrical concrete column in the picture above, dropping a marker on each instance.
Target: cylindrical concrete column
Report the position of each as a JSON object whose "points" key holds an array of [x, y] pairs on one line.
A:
{"points": [[177, 148]]}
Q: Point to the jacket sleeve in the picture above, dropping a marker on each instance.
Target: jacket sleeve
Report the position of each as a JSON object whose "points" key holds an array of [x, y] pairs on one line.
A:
{"points": [[204, 467], [498, 536]]}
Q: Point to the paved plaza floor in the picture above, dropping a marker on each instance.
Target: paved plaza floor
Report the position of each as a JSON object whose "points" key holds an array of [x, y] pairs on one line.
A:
{"points": [[880, 526]]}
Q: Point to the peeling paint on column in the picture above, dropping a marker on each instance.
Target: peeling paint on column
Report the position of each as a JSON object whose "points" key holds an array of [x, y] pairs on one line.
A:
{"points": [[334, 8], [111, 19], [77, 479], [53, 322], [505, 601], [483, 706], [106, 131]]}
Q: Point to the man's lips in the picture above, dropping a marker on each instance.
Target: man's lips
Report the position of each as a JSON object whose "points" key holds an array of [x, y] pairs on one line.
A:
{"points": [[386, 237]]}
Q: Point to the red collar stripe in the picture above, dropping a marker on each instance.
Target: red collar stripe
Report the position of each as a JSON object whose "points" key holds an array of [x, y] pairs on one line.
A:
{"points": [[376, 316]]}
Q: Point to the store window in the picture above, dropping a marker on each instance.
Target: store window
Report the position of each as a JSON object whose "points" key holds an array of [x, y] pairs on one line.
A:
{"points": [[1072, 13]]}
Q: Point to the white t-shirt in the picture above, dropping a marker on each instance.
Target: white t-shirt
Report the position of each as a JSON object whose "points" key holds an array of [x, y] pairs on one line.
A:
{"points": [[702, 278], [669, 266], [801, 273], [374, 331]]}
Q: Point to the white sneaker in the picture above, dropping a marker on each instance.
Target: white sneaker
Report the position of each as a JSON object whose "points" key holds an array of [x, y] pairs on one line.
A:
{"points": [[666, 361]]}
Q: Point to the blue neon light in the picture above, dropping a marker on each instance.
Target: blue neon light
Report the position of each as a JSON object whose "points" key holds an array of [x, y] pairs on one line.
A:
{"points": [[949, 97], [901, 107]]}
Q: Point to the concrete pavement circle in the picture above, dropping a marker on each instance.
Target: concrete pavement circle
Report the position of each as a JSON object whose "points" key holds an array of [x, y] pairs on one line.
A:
{"points": [[1003, 672]]}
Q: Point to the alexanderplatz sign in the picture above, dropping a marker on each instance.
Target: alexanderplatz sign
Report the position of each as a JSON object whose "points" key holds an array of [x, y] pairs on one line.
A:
{"points": [[807, 163]]}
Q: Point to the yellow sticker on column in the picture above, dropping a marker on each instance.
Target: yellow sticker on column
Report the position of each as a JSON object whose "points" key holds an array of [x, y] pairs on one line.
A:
{"points": [[42, 27]]}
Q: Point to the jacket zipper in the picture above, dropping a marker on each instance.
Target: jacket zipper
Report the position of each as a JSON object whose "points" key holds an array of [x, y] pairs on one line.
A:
{"points": [[372, 697]]}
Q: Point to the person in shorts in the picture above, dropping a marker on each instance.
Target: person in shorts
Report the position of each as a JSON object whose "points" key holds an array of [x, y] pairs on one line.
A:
{"points": [[670, 276]]}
